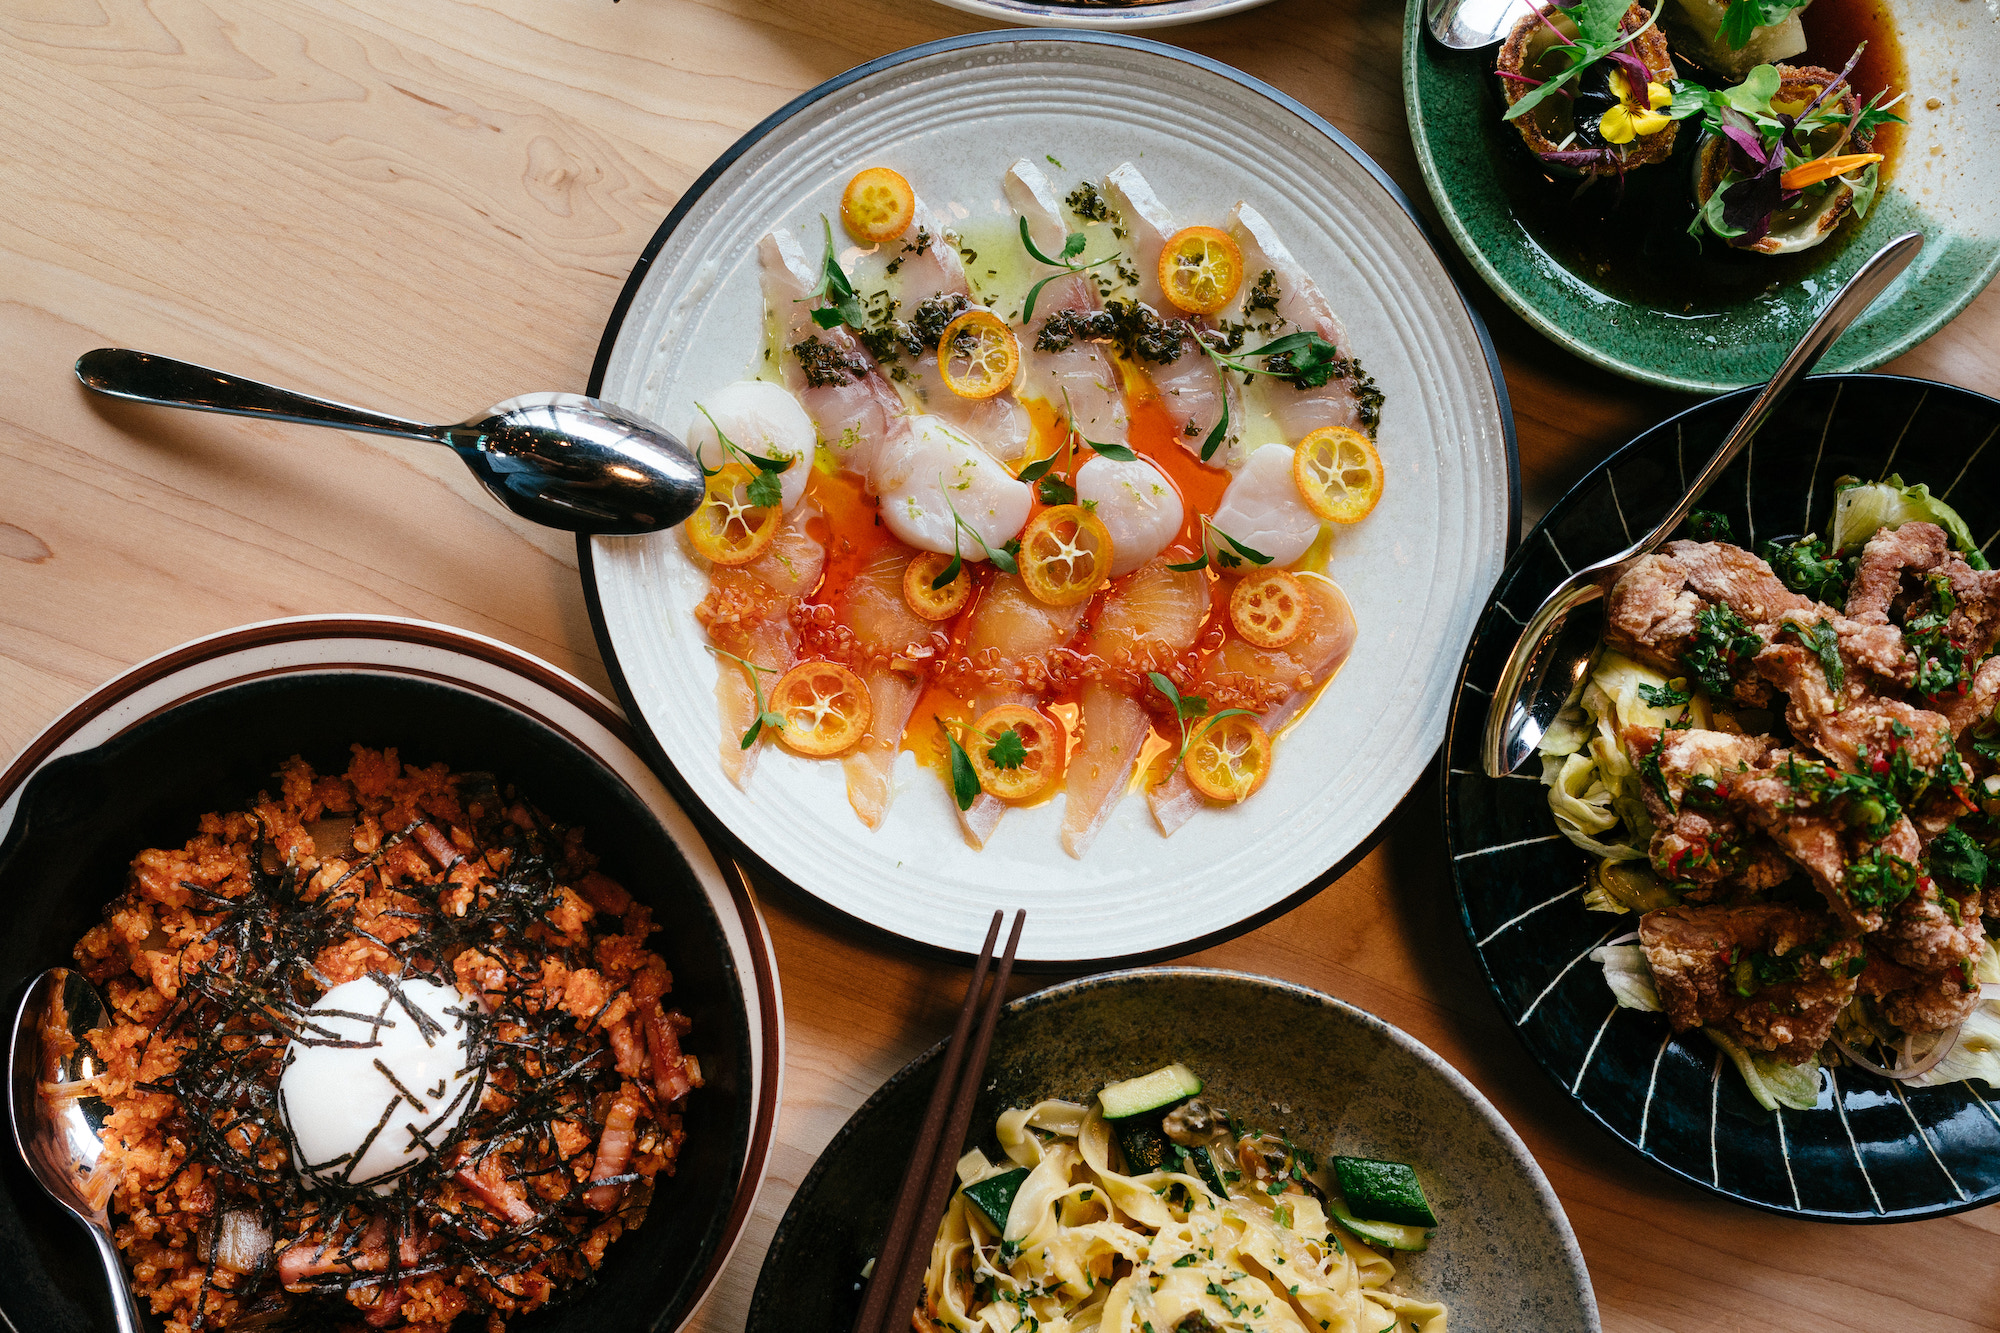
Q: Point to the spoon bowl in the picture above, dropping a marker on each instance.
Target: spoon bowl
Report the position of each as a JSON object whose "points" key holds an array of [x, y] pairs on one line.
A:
{"points": [[58, 1126], [559, 459], [1467, 25]]}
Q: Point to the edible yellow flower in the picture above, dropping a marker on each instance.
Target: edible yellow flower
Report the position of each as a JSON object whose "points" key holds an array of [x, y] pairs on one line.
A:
{"points": [[1627, 121]]}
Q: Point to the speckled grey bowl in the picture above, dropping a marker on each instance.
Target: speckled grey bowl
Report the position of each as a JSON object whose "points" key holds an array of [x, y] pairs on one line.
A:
{"points": [[1278, 1055]]}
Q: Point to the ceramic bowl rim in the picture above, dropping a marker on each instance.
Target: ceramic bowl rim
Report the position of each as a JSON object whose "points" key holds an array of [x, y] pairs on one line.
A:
{"points": [[759, 977], [1544, 1192]]}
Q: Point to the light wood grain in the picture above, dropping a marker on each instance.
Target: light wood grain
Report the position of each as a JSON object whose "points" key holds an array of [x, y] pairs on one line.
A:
{"points": [[429, 207]]}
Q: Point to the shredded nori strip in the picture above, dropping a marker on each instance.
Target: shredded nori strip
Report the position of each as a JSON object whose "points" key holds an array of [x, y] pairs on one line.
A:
{"points": [[239, 1011]]}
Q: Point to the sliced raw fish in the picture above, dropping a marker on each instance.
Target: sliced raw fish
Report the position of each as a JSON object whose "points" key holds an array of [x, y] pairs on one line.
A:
{"points": [[856, 410], [1272, 682], [891, 640], [1009, 642], [748, 612], [1303, 308], [1147, 621], [1083, 372], [1192, 386], [1263, 509]]}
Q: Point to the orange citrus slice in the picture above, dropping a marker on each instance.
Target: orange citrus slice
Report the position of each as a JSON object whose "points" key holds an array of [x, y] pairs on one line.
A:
{"points": [[1015, 752], [727, 528], [1065, 555], [1338, 473], [1200, 269], [978, 356], [935, 603], [1268, 608], [877, 206], [825, 706], [1229, 758]]}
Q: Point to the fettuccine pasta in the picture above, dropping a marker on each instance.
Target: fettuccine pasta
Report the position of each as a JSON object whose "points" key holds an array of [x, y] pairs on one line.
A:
{"points": [[1086, 1249]]}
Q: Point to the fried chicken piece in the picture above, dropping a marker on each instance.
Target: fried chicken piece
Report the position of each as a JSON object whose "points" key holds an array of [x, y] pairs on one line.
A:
{"points": [[1797, 975], [1929, 931], [1975, 622], [1841, 725], [1977, 703], [1650, 613], [1726, 573], [1698, 841], [1914, 548], [1919, 1001]]}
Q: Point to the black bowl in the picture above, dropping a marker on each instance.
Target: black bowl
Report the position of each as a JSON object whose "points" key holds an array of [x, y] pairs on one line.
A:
{"points": [[83, 817], [1871, 1150]]}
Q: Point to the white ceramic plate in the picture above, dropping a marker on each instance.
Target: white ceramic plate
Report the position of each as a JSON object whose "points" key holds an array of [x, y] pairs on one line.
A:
{"points": [[952, 116], [1127, 18], [385, 645]]}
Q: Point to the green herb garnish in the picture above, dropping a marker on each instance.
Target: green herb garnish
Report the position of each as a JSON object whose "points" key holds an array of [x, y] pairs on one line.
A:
{"points": [[765, 717], [1073, 245], [842, 305]]}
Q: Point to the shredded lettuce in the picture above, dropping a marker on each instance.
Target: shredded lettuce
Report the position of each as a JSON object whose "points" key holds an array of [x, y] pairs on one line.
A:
{"points": [[1977, 1054], [1626, 886], [1771, 1081], [1594, 788], [1865, 508], [1629, 975]]}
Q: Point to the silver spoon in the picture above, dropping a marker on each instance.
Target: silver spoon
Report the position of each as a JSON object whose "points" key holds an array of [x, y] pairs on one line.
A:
{"points": [[1467, 25], [1546, 663], [559, 459], [61, 1135]]}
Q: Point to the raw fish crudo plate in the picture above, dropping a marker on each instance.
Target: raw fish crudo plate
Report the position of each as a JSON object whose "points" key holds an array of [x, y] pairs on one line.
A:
{"points": [[723, 297]]}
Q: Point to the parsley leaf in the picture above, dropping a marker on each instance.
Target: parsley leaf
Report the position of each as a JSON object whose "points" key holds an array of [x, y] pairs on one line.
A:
{"points": [[1056, 491]]}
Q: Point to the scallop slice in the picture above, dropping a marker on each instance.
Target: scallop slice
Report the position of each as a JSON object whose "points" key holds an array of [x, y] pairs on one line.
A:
{"points": [[939, 470], [1138, 505], [759, 418], [1263, 509]]}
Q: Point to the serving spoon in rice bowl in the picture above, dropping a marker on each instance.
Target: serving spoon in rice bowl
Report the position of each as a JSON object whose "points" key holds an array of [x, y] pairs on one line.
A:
{"points": [[58, 1123], [558, 459]]}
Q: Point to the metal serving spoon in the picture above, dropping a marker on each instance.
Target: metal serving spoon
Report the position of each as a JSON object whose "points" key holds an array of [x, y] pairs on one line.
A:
{"points": [[559, 459], [1467, 25], [61, 1134], [1547, 664]]}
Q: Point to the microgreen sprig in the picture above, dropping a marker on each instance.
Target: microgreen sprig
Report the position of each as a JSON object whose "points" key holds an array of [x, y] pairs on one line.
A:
{"points": [[765, 491], [765, 717], [1002, 558], [1309, 361], [842, 305], [1059, 490], [1073, 245], [1598, 35], [1227, 559], [1188, 706]]}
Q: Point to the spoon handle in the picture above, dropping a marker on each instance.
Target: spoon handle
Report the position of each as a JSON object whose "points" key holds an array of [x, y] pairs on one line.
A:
{"points": [[1868, 282], [145, 378], [124, 1305]]}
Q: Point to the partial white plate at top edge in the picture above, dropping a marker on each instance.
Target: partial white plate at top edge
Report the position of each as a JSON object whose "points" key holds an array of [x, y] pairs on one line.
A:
{"points": [[952, 117], [1121, 18]]}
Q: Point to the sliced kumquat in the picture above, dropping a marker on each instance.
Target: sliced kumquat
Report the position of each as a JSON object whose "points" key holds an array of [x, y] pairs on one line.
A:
{"points": [[978, 356], [1200, 269], [877, 205], [1812, 173], [1065, 555], [825, 706], [1229, 758], [1268, 608], [1015, 751], [1338, 473], [933, 603], [727, 528]]}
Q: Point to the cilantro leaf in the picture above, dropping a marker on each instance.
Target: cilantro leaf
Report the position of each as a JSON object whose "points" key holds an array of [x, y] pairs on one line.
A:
{"points": [[1663, 696], [1073, 245], [1709, 526], [764, 490], [1056, 491], [1956, 856], [1007, 751], [964, 781], [1825, 645]]}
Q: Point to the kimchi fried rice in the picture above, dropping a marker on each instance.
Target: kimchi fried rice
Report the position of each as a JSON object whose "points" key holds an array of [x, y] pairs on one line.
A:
{"points": [[211, 961]]}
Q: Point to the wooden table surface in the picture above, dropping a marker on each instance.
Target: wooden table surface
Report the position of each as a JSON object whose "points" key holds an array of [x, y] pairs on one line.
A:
{"points": [[428, 207]]}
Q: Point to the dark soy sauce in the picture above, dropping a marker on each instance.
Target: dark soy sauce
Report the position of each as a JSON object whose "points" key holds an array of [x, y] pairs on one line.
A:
{"points": [[1635, 247]]}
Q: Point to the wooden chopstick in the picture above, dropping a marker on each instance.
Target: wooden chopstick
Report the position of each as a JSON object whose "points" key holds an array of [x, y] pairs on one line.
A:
{"points": [[888, 1260], [905, 1253]]}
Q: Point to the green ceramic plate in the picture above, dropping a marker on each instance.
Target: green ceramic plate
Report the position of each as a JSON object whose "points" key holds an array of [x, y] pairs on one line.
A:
{"points": [[1736, 330]]}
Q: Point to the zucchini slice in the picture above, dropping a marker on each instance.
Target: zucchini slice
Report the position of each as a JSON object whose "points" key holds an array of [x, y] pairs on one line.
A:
{"points": [[1387, 1191], [1146, 1148], [1201, 1162], [994, 1196], [1148, 1092], [1389, 1235]]}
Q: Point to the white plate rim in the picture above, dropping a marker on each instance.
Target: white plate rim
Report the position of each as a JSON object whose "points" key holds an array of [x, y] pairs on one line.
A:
{"points": [[684, 792], [1035, 13], [395, 645]]}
